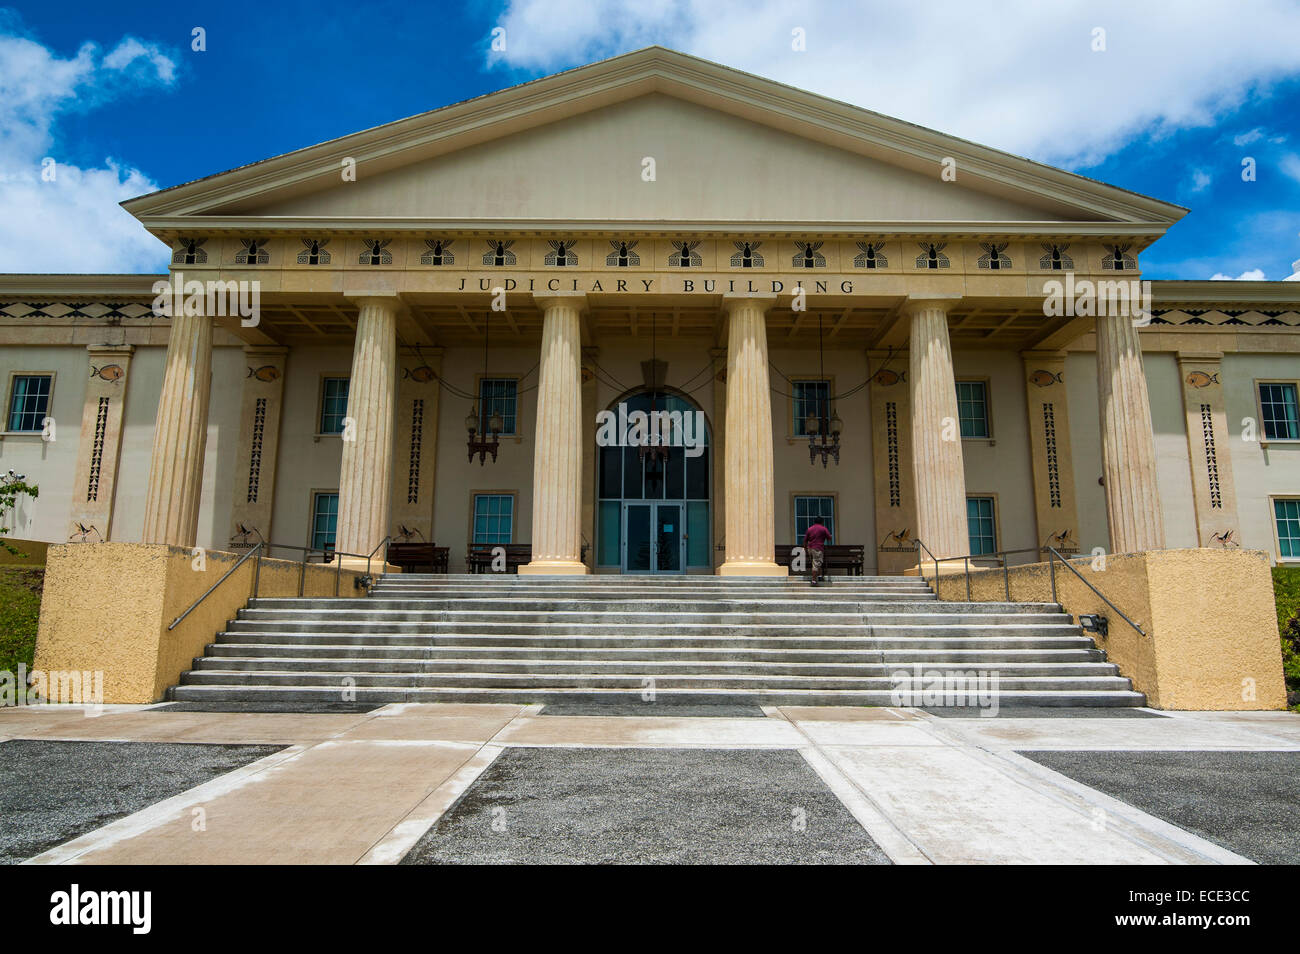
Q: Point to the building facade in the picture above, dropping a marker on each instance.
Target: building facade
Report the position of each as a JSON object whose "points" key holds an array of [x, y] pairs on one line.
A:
{"points": [[654, 234]]}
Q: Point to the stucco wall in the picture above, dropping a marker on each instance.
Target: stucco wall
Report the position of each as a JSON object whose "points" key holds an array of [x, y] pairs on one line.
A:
{"points": [[1001, 467], [458, 479], [1173, 469], [51, 465], [305, 463], [1197, 650], [851, 481], [1259, 472], [106, 607]]}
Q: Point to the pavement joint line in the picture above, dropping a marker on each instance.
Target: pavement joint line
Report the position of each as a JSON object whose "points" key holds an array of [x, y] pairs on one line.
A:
{"points": [[1136, 826], [884, 830], [147, 819], [394, 845], [1202, 849], [887, 835]]}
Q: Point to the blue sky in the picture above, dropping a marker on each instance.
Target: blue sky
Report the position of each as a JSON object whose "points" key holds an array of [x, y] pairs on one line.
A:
{"points": [[1170, 105]]}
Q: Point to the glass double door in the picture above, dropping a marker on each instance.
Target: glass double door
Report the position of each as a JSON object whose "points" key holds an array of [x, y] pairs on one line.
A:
{"points": [[653, 540]]}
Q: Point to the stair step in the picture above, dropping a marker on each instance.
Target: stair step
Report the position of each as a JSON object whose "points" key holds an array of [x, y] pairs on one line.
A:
{"points": [[748, 696], [649, 667], [697, 639]]}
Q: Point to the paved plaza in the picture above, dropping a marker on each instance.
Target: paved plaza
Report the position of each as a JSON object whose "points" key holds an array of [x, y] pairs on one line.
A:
{"points": [[421, 784]]}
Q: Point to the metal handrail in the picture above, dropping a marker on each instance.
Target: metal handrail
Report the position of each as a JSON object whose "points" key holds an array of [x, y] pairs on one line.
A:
{"points": [[302, 569], [1052, 569], [1052, 556], [194, 605]]}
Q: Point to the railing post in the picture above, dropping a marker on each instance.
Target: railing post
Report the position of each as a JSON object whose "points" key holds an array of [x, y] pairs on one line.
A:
{"points": [[1006, 577], [257, 571], [302, 572], [338, 571], [966, 562], [1051, 567]]}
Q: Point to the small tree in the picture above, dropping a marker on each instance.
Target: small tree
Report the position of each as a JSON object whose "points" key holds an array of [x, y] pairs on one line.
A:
{"points": [[11, 488]]}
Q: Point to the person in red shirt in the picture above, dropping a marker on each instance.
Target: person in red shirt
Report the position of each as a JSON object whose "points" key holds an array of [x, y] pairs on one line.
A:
{"points": [[815, 539]]}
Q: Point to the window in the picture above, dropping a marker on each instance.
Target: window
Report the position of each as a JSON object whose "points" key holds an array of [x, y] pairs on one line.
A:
{"points": [[810, 510], [498, 396], [1277, 407], [810, 397], [1287, 515], [29, 402], [324, 519], [333, 405], [980, 524], [972, 409], [493, 518]]}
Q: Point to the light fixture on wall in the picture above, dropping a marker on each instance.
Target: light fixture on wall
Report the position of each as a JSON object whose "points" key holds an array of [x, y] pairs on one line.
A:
{"points": [[473, 423], [817, 423]]}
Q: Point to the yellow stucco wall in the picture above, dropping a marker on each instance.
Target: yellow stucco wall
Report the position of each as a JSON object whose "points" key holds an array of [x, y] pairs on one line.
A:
{"points": [[106, 606], [1201, 649]]}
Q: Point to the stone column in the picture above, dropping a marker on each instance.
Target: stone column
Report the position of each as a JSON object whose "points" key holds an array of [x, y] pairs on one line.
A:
{"points": [[719, 451], [1048, 407], [891, 442], [365, 477], [590, 405], [101, 441], [171, 510], [750, 540], [557, 440], [415, 445], [1128, 449], [259, 440], [1208, 449], [937, 468]]}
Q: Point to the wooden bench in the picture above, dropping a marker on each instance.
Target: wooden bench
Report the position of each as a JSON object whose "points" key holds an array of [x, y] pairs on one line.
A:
{"points": [[419, 557], [479, 557], [839, 556]]}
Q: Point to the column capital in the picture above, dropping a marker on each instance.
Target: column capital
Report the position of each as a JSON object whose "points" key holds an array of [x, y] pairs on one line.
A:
{"points": [[732, 300], [944, 303], [376, 298], [558, 299]]}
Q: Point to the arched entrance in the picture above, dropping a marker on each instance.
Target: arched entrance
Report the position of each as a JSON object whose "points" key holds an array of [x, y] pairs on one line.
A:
{"points": [[652, 512]]}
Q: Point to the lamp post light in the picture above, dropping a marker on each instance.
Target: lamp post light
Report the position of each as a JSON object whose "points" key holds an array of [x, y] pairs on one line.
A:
{"points": [[482, 446], [828, 431]]}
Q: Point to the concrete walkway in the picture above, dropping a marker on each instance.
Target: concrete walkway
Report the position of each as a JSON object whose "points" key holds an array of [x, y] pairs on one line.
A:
{"points": [[366, 787]]}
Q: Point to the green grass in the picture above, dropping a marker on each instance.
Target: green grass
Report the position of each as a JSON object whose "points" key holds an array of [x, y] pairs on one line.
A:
{"points": [[1286, 592], [20, 607]]}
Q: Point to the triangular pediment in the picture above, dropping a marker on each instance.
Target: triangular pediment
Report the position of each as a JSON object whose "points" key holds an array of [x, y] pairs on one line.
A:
{"points": [[728, 149]]}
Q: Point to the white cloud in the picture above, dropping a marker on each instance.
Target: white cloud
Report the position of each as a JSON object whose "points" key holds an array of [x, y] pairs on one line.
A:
{"points": [[1254, 275], [1290, 166], [70, 221], [1200, 179], [1245, 139], [1020, 75]]}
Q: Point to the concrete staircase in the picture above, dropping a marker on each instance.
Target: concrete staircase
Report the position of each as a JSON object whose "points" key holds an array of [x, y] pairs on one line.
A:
{"points": [[695, 639]]}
